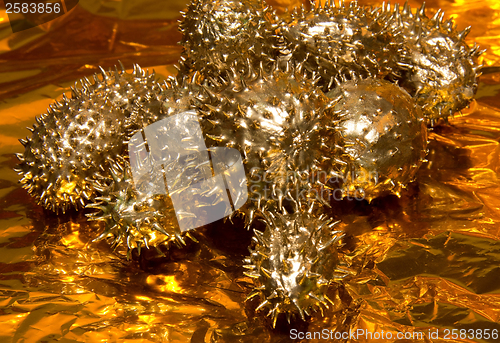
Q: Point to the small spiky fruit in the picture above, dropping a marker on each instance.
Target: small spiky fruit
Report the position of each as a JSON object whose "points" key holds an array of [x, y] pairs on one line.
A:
{"points": [[437, 67], [131, 218], [332, 41], [294, 261], [385, 137], [220, 34], [73, 142]]}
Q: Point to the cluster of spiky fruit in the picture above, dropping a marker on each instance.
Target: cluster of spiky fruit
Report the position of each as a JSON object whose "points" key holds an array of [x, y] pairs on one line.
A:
{"points": [[428, 57], [312, 102]]}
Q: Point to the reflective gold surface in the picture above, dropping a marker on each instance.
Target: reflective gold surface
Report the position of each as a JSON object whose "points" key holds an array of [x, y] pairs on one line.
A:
{"points": [[429, 260]]}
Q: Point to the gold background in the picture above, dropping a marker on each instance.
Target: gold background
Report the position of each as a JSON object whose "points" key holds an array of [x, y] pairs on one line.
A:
{"points": [[430, 260]]}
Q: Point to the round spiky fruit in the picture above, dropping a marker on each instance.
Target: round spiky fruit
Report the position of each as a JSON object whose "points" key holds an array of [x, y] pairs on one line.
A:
{"points": [[72, 143], [219, 34], [333, 41], [132, 218], [294, 261], [385, 137], [437, 67], [284, 127]]}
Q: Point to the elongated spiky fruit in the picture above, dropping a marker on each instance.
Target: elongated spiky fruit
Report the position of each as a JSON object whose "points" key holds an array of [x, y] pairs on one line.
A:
{"points": [[385, 137], [285, 128], [333, 41], [220, 34], [294, 261], [438, 67], [72, 143]]}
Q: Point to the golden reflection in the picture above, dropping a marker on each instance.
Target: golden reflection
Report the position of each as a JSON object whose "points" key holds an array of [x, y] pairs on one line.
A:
{"points": [[72, 240], [164, 283], [66, 189]]}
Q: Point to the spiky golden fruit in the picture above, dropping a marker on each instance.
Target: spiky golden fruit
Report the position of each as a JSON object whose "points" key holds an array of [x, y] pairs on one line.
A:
{"points": [[218, 35], [294, 261], [285, 128], [437, 66], [281, 123], [384, 134], [331, 41], [131, 218], [75, 140]]}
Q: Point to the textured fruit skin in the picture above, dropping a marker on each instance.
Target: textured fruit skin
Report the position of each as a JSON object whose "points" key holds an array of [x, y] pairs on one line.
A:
{"points": [[437, 67], [333, 41], [260, 88], [130, 217], [427, 56], [219, 35], [283, 126], [75, 140], [294, 261], [385, 137]]}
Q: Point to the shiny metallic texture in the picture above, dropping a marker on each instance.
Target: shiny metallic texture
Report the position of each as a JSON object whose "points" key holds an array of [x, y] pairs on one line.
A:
{"points": [[294, 261], [437, 66], [131, 218], [384, 134], [331, 41], [282, 124], [222, 34], [75, 140]]}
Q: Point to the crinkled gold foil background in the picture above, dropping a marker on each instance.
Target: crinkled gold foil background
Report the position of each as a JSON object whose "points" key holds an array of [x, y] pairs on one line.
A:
{"points": [[430, 260]]}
